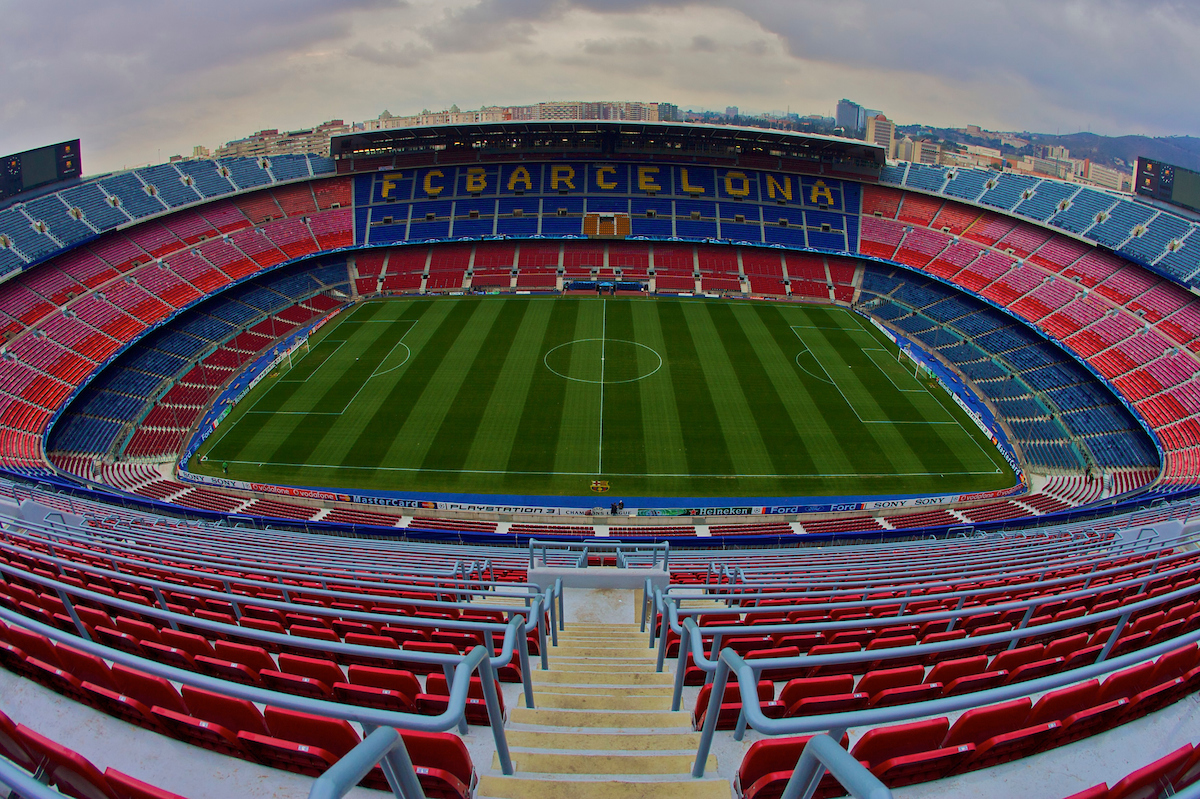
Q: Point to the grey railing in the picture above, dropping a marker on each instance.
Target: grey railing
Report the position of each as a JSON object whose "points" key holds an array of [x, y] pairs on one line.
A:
{"points": [[513, 641], [667, 603], [691, 635], [747, 673], [821, 753], [477, 660], [24, 783], [575, 554]]}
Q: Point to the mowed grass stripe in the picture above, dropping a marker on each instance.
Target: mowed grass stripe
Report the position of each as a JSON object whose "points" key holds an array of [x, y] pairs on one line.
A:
{"points": [[662, 433], [624, 443], [833, 410], [459, 426], [579, 427], [735, 417], [775, 424], [536, 443], [821, 443], [339, 395], [707, 450], [501, 419], [413, 440], [889, 439], [380, 430], [252, 441]]}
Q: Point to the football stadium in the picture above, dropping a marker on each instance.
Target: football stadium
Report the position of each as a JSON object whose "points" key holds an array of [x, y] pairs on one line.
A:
{"points": [[597, 459]]}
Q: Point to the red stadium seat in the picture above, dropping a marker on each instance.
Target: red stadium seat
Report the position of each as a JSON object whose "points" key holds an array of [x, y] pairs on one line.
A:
{"points": [[72, 774], [885, 743], [128, 787]]}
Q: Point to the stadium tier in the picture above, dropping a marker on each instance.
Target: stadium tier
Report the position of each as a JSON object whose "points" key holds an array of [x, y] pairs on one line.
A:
{"points": [[957, 409]]}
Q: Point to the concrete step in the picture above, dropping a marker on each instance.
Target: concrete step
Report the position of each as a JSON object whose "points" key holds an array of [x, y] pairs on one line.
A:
{"points": [[609, 677], [613, 742], [497, 787], [608, 701], [559, 717], [624, 763], [602, 690], [593, 663], [607, 649]]}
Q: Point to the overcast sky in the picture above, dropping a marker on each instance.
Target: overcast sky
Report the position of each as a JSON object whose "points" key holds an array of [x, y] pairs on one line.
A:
{"points": [[140, 80]]}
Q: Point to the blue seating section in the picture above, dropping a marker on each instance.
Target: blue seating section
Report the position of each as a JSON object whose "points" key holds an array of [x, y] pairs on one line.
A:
{"points": [[1052, 404], [246, 172], [1153, 242], [1008, 190], [1184, 263], [928, 178], [968, 184], [168, 182], [96, 209], [133, 195], [1119, 226], [56, 216], [206, 178], [20, 231], [86, 435], [1046, 197], [893, 173], [289, 167], [127, 381]]}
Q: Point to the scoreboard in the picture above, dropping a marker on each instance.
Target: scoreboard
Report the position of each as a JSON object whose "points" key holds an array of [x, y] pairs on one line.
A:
{"points": [[1168, 183], [32, 169]]}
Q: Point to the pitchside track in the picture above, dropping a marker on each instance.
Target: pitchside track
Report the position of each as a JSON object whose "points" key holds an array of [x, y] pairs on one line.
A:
{"points": [[658, 397]]}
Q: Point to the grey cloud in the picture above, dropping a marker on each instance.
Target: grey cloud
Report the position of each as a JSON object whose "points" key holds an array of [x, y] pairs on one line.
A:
{"points": [[635, 47], [389, 55], [1132, 61]]}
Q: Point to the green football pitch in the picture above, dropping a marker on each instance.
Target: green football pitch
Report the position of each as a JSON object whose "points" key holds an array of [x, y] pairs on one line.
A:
{"points": [[658, 397]]}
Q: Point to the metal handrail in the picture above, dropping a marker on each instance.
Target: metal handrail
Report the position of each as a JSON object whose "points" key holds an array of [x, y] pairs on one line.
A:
{"points": [[668, 603], [752, 716], [215, 561], [628, 554], [514, 630], [821, 753], [24, 783], [170, 538], [459, 679], [691, 640], [1116, 550], [492, 589]]}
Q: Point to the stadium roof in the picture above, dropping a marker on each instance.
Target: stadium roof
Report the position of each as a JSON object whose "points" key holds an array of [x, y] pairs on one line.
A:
{"points": [[609, 138]]}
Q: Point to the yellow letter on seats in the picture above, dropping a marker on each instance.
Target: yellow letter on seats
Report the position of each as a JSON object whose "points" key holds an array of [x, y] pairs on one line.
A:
{"points": [[476, 179], [431, 189], [561, 173], [740, 190], [784, 188], [821, 190], [520, 175], [601, 182], [646, 176], [389, 183]]}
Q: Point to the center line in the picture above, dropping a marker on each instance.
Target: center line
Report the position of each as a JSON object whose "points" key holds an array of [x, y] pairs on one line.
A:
{"points": [[603, 333]]}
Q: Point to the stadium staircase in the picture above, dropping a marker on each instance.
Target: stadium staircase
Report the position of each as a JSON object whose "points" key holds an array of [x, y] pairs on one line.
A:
{"points": [[603, 728]]}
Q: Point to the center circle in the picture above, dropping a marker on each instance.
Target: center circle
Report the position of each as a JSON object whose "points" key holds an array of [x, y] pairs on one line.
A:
{"points": [[603, 360]]}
